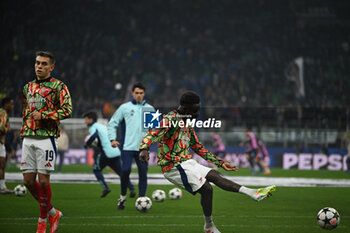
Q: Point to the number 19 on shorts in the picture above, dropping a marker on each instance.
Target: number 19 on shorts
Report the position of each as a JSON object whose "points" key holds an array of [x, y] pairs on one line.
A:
{"points": [[49, 155]]}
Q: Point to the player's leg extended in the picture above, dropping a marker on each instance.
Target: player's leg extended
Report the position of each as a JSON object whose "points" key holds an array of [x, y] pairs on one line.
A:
{"points": [[228, 185], [100, 163], [225, 184], [115, 164], [142, 168]]}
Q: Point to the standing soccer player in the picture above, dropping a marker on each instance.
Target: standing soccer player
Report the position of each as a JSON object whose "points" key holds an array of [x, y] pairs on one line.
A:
{"points": [[252, 150], [107, 155], [6, 106], [129, 117], [46, 101], [175, 139]]}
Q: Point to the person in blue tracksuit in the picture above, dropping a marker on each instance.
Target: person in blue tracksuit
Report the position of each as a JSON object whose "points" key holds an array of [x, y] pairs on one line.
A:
{"points": [[106, 154], [129, 117]]}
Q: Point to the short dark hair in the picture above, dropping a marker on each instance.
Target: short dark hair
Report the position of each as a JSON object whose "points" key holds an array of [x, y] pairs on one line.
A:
{"points": [[91, 115], [138, 85], [47, 54], [5, 101], [189, 98]]}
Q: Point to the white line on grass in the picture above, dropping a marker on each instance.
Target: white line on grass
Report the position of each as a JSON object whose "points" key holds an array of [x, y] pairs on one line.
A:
{"points": [[169, 225], [167, 216], [158, 179]]}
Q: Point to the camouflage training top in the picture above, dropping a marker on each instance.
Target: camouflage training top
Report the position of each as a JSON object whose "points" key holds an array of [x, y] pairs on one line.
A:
{"points": [[51, 98], [4, 125], [175, 143]]}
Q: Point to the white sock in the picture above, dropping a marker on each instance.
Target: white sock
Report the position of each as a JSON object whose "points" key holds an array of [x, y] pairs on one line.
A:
{"points": [[123, 197], [247, 191], [52, 212], [42, 220], [208, 221], [2, 184]]}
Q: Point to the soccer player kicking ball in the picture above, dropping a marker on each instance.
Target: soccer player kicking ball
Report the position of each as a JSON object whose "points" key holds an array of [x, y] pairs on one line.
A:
{"points": [[46, 101], [175, 139]]}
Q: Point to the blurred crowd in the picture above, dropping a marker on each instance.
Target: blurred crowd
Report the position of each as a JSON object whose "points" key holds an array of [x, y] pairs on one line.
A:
{"points": [[233, 53]]}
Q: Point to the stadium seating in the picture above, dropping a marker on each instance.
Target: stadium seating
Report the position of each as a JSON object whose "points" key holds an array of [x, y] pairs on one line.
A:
{"points": [[234, 53]]}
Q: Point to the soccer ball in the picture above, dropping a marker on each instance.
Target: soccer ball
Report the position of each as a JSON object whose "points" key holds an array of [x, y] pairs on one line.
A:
{"points": [[158, 195], [94, 142], [175, 194], [328, 218], [20, 190], [143, 204]]}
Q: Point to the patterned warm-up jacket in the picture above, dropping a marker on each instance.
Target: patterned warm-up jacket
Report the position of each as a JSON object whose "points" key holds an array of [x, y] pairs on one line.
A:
{"points": [[51, 98], [175, 141]]}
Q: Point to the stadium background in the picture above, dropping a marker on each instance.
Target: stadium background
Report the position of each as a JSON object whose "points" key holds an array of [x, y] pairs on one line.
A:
{"points": [[240, 56], [281, 67]]}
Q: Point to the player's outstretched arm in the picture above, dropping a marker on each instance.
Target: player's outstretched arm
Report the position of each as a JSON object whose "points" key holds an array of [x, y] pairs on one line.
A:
{"points": [[228, 167], [198, 147]]}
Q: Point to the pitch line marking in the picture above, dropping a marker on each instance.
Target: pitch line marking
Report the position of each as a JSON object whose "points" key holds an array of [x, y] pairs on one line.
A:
{"points": [[157, 216], [158, 179], [169, 225]]}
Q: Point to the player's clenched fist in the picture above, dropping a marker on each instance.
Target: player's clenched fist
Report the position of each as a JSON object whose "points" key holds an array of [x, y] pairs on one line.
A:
{"points": [[144, 155]]}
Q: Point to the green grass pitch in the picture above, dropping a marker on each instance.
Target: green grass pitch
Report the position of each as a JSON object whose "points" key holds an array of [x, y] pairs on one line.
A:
{"points": [[289, 210]]}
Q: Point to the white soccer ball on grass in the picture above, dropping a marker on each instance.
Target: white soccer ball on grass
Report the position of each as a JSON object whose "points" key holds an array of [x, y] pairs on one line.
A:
{"points": [[20, 190], [175, 194], [158, 195], [328, 218], [143, 204]]}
